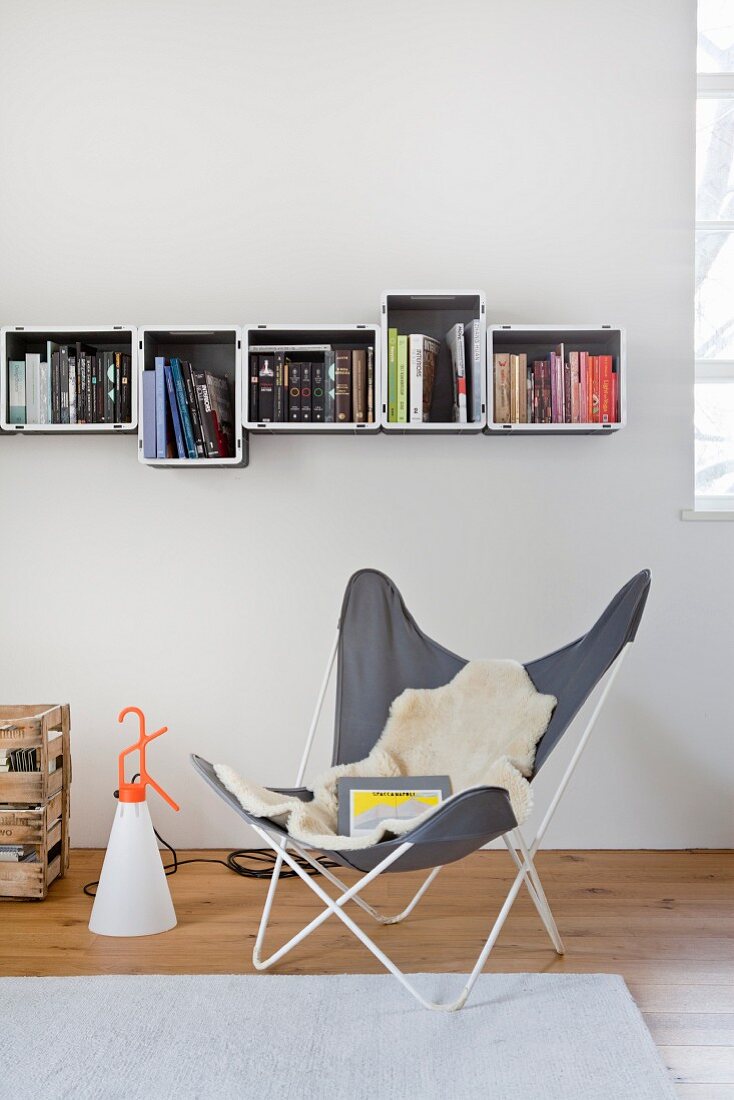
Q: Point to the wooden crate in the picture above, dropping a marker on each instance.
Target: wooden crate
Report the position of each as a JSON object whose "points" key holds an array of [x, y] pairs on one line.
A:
{"points": [[34, 806], [41, 727], [48, 830]]}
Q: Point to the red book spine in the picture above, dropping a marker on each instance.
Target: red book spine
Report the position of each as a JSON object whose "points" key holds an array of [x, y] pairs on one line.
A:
{"points": [[606, 392], [584, 386], [595, 406], [221, 441]]}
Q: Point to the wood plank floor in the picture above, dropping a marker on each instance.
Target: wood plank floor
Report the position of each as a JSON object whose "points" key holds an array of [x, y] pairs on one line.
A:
{"points": [[664, 920]]}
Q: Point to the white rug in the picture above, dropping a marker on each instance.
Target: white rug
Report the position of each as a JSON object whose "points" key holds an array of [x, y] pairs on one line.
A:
{"points": [[521, 1037]]}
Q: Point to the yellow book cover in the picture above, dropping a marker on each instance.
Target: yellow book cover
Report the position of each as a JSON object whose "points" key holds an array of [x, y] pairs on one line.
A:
{"points": [[365, 803]]}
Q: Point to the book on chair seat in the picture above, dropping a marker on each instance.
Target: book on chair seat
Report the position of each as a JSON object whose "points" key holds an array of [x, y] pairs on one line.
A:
{"points": [[367, 801]]}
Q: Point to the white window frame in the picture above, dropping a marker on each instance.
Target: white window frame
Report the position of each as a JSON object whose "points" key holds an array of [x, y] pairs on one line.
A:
{"points": [[714, 86]]}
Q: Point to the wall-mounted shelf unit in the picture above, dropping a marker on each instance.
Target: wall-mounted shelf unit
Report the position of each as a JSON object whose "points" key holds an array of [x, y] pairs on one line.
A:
{"points": [[434, 313], [536, 342], [209, 349], [298, 338], [35, 345]]}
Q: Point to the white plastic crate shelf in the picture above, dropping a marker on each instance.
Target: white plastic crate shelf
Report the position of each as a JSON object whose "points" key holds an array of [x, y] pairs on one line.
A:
{"points": [[272, 335], [433, 313], [17, 340], [214, 348], [537, 341]]}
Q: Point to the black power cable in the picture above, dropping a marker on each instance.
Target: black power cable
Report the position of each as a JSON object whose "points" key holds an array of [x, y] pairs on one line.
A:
{"points": [[261, 856]]}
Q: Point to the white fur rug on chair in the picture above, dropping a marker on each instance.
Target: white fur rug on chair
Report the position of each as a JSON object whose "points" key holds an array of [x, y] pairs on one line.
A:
{"points": [[480, 729]]}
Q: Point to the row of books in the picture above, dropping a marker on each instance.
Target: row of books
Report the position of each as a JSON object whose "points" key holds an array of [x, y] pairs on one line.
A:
{"points": [[19, 760], [74, 384], [18, 853], [311, 383], [416, 366], [187, 413], [573, 388]]}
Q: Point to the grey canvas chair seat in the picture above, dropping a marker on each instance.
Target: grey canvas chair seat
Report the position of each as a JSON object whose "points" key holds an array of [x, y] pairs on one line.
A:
{"points": [[455, 830], [380, 651]]}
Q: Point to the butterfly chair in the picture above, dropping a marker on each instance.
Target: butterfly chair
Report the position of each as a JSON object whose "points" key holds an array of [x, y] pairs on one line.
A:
{"points": [[381, 651]]}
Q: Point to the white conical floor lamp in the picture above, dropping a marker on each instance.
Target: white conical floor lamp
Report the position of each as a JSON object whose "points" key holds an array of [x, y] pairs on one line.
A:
{"points": [[132, 896]]}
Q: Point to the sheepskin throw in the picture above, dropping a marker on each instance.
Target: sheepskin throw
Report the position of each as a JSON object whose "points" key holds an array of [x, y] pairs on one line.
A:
{"points": [[481, 729]]}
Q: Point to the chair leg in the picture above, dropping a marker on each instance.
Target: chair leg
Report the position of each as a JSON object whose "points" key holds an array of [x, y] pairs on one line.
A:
{"points": [[331, 905], [510, 845], [535, 888], [263, 926], [369, 909], [336, 908], [412, 904]]}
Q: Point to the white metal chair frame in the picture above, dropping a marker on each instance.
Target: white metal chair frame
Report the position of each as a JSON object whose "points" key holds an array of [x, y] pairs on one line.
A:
{"points": [[522, 855]]}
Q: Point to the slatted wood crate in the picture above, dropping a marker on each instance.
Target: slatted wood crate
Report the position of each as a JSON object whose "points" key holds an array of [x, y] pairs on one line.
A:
{"points": [[34, 806]]}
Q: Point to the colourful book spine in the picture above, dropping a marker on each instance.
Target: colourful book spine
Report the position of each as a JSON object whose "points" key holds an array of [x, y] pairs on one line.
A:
{"points": [[252, 393], [64, 383], [473, 360], [501, 388], [206, 414], [522, 388], [188, 379], [161, 445], [566, 392], [72, 390], [455, 343], [392, 375], [279, 395], [537, 373], [573, 362], [183, 408], [16, 391], [294, 392], [103, 365], [266, 387], [370, 385], [595, 389], [606, 392], [514, 389], [307, 392], [402, 380], [553, 388], [44, 395], [330, 376], [318, 393], [560, 417], [415, 387], [32, 387], [173, 405], [359, 385], [149, 419], [583, 387]]}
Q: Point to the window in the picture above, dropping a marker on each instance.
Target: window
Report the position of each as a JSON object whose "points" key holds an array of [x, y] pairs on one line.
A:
{"points": [[714, 257], [714, 330]]}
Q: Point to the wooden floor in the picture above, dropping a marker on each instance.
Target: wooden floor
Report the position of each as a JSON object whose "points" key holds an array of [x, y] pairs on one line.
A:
{"points": [[664, 920]]}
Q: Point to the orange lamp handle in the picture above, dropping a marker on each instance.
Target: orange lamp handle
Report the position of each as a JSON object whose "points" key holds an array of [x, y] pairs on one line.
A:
{"points": [[135, 792]]}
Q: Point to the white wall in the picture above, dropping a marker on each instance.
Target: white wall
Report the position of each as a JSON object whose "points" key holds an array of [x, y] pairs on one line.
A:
{"points": [[171, 162]]}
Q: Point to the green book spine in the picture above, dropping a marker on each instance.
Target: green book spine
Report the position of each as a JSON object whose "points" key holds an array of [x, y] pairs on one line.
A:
{"points": [[16, 391], [402, 381], [392, 375]]}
